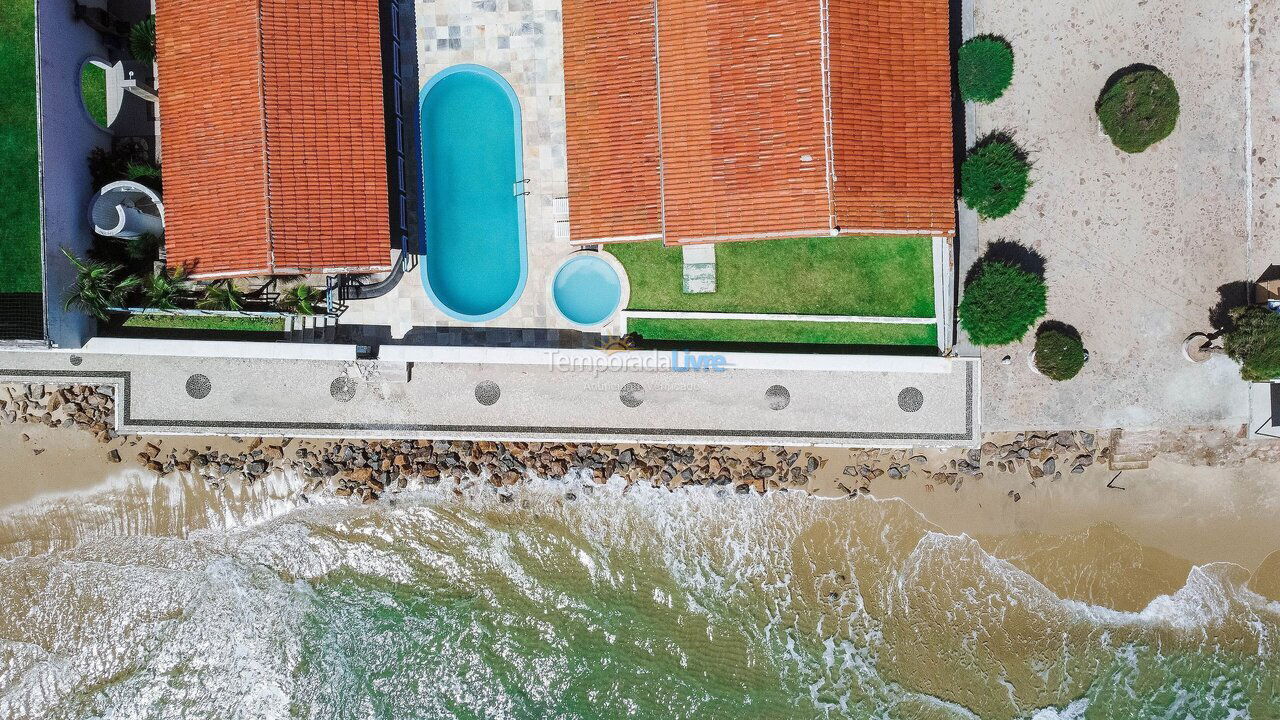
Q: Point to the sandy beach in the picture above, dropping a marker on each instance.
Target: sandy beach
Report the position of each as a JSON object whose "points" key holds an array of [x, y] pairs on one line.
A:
{"points": [[1117, 539]]}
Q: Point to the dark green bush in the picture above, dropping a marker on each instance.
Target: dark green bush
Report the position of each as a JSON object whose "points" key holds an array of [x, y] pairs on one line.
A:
{"points": [[994, 178], [142, 40], [1138, 108], [1059, 355], [1254, 341], [1001, 302], [984, 65]]}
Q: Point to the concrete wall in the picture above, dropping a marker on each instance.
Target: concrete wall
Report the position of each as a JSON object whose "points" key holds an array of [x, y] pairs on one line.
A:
{"points": [[67, 134]]}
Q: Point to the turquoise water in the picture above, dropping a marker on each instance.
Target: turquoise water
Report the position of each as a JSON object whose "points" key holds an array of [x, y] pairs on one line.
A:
{"points": [[473, 221], [163, 601], [586, 290]]}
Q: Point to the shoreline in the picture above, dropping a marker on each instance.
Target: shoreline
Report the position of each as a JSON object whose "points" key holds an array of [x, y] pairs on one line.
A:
{"points": [[1155, 523]]}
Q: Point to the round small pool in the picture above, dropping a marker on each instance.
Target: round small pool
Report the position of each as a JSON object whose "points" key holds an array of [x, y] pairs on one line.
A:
{"points": [[587, 290]]}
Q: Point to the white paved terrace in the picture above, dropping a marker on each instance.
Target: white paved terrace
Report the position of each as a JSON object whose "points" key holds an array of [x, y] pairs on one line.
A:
{"points": [[181, 387]]}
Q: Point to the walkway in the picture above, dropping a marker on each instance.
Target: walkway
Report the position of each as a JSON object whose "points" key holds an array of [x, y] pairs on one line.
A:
{"points": [[521, 394]]}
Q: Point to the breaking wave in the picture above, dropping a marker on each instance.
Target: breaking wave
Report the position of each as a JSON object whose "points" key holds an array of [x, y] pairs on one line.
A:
{"points": [[171, 599]]}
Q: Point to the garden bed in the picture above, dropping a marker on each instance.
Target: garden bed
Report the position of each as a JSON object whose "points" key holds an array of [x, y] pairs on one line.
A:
{"points": [[205, 322], [786, 331]]}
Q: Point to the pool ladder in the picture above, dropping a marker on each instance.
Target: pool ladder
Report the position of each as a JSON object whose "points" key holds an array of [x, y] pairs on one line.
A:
{"points": [[520, 187]]}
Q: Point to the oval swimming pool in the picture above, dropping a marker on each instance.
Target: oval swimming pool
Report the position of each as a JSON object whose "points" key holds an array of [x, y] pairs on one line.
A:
{"points": [[473, 220], [586, 290]]}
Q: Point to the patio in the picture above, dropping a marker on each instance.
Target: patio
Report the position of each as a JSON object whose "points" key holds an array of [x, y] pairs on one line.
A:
{"points": [[522, 41]]}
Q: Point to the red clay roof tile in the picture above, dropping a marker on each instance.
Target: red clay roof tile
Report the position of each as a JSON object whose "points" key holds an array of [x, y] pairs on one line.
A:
{"points": [[272, 136], [612, 110], [736, 118]]}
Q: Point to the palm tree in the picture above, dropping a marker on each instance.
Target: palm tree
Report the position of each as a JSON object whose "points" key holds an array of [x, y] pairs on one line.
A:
{"points": [[221, 296], [300, 299], [98, 286], [162, 290]]}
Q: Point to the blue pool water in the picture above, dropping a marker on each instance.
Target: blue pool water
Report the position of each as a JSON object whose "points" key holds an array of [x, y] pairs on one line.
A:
{"points": [[586, 290], [473, 221]]}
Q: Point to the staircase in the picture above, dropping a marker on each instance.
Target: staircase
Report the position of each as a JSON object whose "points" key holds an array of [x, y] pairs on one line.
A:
{"points": [[1132, 451], [310, 328]]}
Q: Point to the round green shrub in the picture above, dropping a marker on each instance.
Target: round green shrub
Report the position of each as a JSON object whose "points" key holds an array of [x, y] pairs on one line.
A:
{"points": [[984, 65], [994, 178], [1254, 341], [1138, 109], [1059, 355], [1001, 302]]}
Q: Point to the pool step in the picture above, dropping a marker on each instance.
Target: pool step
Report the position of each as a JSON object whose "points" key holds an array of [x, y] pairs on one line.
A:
{"points": [[310, 328]]}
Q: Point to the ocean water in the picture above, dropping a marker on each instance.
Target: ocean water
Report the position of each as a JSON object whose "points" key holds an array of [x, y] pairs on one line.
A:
{"points": [[172, 600]]}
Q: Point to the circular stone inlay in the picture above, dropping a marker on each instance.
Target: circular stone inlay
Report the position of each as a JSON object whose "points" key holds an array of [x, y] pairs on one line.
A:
{"points": [[632, 394], [342, 389], [910, 399], [76, 360], [199, 387], [487, 392], [778, 397]]}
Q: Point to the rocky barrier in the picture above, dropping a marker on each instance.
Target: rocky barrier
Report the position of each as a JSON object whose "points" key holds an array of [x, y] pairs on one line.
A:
{"points": [[368, 469]]}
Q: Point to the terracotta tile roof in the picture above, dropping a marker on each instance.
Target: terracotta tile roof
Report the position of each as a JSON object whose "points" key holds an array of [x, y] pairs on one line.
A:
{"points": [[272, 136], [891, 115], [611, 91], [739, 118], [741, 111]]}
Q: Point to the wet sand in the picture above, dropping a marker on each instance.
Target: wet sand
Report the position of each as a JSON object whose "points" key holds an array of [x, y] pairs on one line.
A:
{"points": [[1084, 540]]}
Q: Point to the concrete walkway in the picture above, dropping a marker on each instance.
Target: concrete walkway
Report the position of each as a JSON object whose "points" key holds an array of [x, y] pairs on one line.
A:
{"points": [[522, 394]]}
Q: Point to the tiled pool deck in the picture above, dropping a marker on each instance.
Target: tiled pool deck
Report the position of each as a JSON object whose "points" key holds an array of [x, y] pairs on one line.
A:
{"points": [[521, 40]]}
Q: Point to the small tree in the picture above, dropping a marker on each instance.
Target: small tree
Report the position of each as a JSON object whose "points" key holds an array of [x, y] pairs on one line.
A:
{"points": [[98, 286], [162, 290], [221, 296], [142, 40], [1059, 355], [1254, 341], [994, 177], [1138, 108], [301, 299], [984, 66], [1001, 302]]}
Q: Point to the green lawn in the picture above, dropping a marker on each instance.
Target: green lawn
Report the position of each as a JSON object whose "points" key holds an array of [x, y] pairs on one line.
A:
{"points": [[19, 181], [874, 276], [782, 331], [207, 322], [93, 90]]}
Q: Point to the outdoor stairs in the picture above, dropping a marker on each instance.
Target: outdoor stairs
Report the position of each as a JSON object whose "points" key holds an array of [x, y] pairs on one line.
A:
{"points": [[1132, 450], [310, 328]]}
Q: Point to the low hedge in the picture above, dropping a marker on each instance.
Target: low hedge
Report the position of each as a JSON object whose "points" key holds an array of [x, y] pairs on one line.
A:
{"points": [[1001, 302], [1059, 355], [1138, 108], [994, 177], [1253, 340], [984, 66]]}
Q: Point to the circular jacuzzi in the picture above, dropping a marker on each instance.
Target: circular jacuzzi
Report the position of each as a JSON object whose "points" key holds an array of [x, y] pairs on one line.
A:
{"points": [[587, 289]]}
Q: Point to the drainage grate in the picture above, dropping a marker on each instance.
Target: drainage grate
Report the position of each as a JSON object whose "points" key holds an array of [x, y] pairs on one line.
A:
{"points": [[632, 394], [910, 399], [343, 389], [487, 392], [76, 360], [199, 387]]}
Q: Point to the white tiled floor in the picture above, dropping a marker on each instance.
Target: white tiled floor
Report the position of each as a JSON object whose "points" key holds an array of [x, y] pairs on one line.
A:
{"points": [[523, 41]]}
